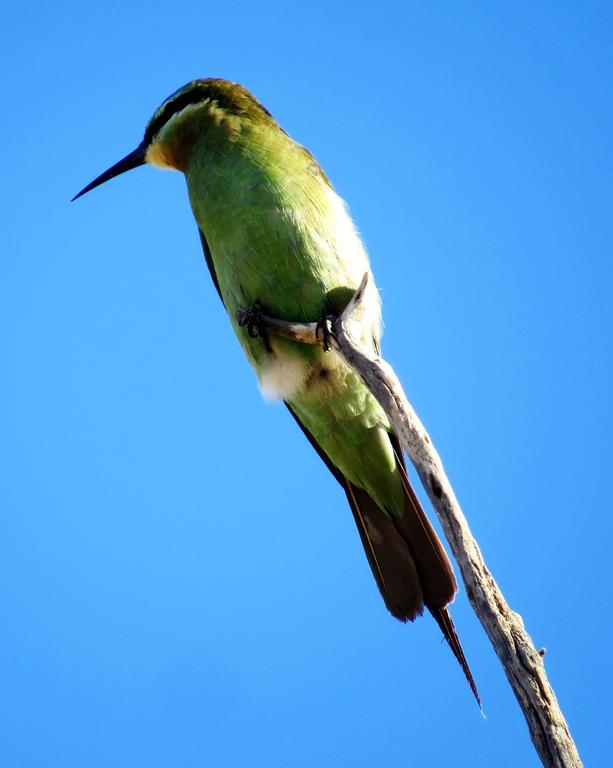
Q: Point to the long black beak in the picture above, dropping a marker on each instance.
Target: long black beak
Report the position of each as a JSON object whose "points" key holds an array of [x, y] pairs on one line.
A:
{"points": [[133, 160]]}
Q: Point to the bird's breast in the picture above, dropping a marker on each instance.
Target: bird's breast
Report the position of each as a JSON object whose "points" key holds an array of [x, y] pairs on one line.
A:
{"points": [[287, 242]]}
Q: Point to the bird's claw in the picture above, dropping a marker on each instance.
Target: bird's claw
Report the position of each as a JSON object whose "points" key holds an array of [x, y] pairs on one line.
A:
{"points": [[324, 326], [251, 318]]}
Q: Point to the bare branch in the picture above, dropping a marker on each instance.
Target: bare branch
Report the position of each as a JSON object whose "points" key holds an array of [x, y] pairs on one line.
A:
{"points": [[522, 663]]}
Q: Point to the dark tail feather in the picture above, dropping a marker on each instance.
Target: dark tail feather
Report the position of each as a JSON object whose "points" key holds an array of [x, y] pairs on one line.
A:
{"points": [[408, 577], [388, 554], [431, 559], [435, 572], [445, 622], [407, 559]]}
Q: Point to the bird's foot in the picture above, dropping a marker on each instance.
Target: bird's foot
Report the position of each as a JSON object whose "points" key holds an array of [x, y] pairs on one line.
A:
{"points": [[251, 319], [324, 326]]}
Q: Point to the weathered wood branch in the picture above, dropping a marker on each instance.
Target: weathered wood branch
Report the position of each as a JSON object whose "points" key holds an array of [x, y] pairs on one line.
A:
{"points": [[521, 661]]}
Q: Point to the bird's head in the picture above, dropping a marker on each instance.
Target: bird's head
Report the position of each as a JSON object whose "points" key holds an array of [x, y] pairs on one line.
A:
{"points": [[202, 105]]}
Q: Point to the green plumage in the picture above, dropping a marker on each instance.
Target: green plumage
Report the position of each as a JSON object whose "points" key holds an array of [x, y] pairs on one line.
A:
{"points": [[276, 234], [279, 236]]}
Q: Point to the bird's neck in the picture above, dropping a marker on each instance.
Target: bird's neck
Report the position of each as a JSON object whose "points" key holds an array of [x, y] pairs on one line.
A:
{"points": [[235, 172]]}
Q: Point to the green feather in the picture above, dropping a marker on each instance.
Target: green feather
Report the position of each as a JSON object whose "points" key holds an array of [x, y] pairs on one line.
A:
{"points": [[275, 233]]}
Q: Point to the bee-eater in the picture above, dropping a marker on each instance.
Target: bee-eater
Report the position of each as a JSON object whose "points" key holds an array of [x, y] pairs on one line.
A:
{"points": [[277, 237]]}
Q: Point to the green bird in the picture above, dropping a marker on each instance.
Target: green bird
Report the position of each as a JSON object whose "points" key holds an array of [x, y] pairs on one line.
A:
{"points": [[278, 239]]}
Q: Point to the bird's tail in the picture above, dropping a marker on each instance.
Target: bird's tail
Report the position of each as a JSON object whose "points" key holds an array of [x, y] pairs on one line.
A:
{"points": [[407, 559], [445, 622]]}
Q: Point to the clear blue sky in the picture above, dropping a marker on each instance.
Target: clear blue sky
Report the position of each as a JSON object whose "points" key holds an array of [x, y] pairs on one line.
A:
{"points": [[181, 582]]}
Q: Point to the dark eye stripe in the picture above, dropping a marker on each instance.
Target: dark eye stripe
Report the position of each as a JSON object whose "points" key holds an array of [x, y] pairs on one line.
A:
{"points": [[239, 102], [193, 96]]}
